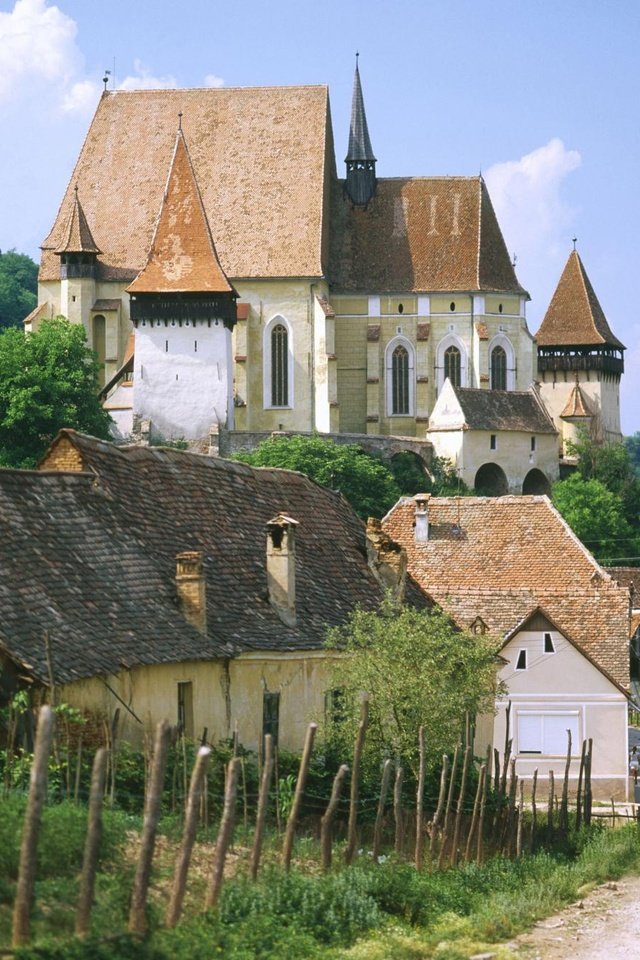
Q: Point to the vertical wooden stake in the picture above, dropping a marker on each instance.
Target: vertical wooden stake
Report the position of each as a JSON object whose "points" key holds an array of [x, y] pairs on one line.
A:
{"points": [[564, 807], [550, 807], [352, 829], [587, 785], [496, 771], [153, 802], [580, 781], [397, 811], [460, 808], [192, 811], [287, 848], [377, 830], [447, 812], [21, 930], [507, 750], [420, 800], [520, 821], [92, 843], [225, 832], [326, 822], [476, 812], [485, 795], [534, 811], [437, 818], [263, 800]]}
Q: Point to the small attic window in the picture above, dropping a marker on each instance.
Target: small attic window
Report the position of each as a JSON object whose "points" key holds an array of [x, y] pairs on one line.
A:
{"points": [[533, 444], [452, 306], [499, 308], [401, 308], [548, 644], [493, 442], [522, 660]]}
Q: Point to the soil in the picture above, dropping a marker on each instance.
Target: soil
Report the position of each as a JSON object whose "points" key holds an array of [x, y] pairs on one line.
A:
{"points": [[605, 925]]}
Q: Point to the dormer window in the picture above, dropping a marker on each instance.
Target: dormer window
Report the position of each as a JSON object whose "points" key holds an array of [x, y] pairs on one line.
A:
{"points": [[548, 644], [521, 663]]}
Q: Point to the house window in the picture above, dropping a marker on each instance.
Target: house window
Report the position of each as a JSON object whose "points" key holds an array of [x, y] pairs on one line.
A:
{"points": [[279, 366], [522, 660], [334, 706], [546, 733], [493, 442], [452, 365], [185, 709], [548, 644], [533, 444], [400, 381], [271, 715], [498, 368]]}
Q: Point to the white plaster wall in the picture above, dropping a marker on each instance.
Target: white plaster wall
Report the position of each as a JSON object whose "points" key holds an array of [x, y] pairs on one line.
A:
{"points": [[470, 449], [603, 397], [181, 389]]}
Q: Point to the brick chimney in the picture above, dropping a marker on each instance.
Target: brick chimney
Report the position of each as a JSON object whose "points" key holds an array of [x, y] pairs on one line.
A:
{"points": [[422, 516], [387, 560], [281, 567], [190, 585]]}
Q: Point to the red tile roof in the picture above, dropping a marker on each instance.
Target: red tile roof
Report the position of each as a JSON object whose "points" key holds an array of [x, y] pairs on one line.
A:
{"points": [[577, 406], [76, 235]]}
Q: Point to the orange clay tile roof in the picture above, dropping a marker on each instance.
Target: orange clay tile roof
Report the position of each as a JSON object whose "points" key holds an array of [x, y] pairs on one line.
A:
{"points": [[574, 316], [44, 311], [420, 234], [263, 160], [182, 258], [577, 405], [502, 557], [76, 236]]}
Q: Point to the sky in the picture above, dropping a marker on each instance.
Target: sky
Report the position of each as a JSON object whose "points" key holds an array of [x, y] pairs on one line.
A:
{"points": [[540, 96]]}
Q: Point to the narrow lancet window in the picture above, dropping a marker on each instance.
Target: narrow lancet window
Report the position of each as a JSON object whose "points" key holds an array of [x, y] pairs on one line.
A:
{"points": [[279, 366], [498, 368], [452, 365], [400, 401]]}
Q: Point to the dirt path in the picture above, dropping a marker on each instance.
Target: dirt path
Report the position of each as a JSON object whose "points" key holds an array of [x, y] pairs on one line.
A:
{"points": [[603, 926]]}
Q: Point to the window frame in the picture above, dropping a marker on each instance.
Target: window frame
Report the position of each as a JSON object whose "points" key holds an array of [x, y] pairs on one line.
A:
{"points": [[571, 719], [503, 372], [502, 340], [451, 340], [271, 724], [267, 369], [392, 346]]}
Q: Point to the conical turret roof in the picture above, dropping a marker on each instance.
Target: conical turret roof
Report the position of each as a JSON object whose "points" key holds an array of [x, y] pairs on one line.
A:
{"points": [[574, 317], [359, 142], [77, 237], [577, 406], [183, 257]]}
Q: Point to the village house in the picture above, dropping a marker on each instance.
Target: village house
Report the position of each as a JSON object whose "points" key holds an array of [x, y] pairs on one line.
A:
{"points": [[511, 567], [231, 283], [174, 585]]}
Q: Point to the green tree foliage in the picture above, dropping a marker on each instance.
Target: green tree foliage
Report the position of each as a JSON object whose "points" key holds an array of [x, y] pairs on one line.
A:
{"points": [[441, 480], [417, 669], [632, 444], [48, 380], [366, 483], [18, 287], [601, 500]]}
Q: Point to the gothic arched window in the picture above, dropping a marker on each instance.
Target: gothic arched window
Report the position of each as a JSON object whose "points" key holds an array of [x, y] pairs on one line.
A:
{"points": [[279, 366], [400, 395], [452, 365], [498, 368]]}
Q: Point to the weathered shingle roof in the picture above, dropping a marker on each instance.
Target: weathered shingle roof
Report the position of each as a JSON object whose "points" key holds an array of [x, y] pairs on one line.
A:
{"points": [[577, 406], [100, 547], [262, 176], [359, 141], [77, 236], [502, 410], [574, 316], [500, 558], [420, 234], [183, 257]]}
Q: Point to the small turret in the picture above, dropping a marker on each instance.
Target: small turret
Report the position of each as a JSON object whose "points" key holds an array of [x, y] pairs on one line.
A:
{"points": [[78, 251], [360, 184]]}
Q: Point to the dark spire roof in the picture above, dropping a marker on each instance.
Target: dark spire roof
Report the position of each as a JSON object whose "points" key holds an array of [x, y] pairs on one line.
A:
{"points": [[574, 316], [77, 236], [359, 142]]}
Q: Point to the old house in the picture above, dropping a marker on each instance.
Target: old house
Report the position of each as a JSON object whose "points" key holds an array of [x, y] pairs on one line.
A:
{"points": [[177, 585], [511, 567]]}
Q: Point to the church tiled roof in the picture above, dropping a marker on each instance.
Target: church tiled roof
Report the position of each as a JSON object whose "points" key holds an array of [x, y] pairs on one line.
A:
{"points": [[359, 141], [577, 406], [263, 159], [421, 234], [574, 317], [76, 236], [502, 410], [183, 257], [100, 547], [500, 558]]}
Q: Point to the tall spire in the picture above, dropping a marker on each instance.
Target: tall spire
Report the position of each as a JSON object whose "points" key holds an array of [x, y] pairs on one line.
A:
{"points": [[360, 160]]}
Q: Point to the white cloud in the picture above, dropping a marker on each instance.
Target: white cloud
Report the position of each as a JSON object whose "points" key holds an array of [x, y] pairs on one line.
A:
{"points": [[211, 80], [144, 79], [37, 42], [81, 97]]}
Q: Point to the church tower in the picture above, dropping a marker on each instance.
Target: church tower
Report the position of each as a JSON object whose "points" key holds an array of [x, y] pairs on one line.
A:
{"points": [[580, 360], [360, 184], [78, 254], [183, 309]]}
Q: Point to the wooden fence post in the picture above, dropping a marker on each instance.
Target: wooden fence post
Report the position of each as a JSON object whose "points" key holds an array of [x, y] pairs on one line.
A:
{"points": [[287, 848], [550, 807], [397, 811], [192, 812], [534, 810], [437, 817], [225, 833], [447, 812], [580, 781], [520, 821], [587, 785], [460, 807], [326, 822], [476, 812], [152, 806], [377, 830], [21, 929], [263, 800], [92, 843], [352, 829], [420, 800], [564, 806]]}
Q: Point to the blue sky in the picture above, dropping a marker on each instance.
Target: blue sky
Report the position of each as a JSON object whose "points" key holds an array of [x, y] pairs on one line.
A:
{"points": [[540, 95]]}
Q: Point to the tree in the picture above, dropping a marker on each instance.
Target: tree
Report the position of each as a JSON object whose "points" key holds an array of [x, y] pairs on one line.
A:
{"points": [[441, 480], [18, 287], [597, 516], [418, 669], [366, 483], [48, 380], [632, 444]]}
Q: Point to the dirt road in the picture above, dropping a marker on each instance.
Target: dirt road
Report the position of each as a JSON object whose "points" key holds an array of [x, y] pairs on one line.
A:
{"points": [[603, 926]]}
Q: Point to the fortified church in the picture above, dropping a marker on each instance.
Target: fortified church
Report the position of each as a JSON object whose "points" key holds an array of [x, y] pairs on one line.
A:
{"points": [[231, 283]]}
